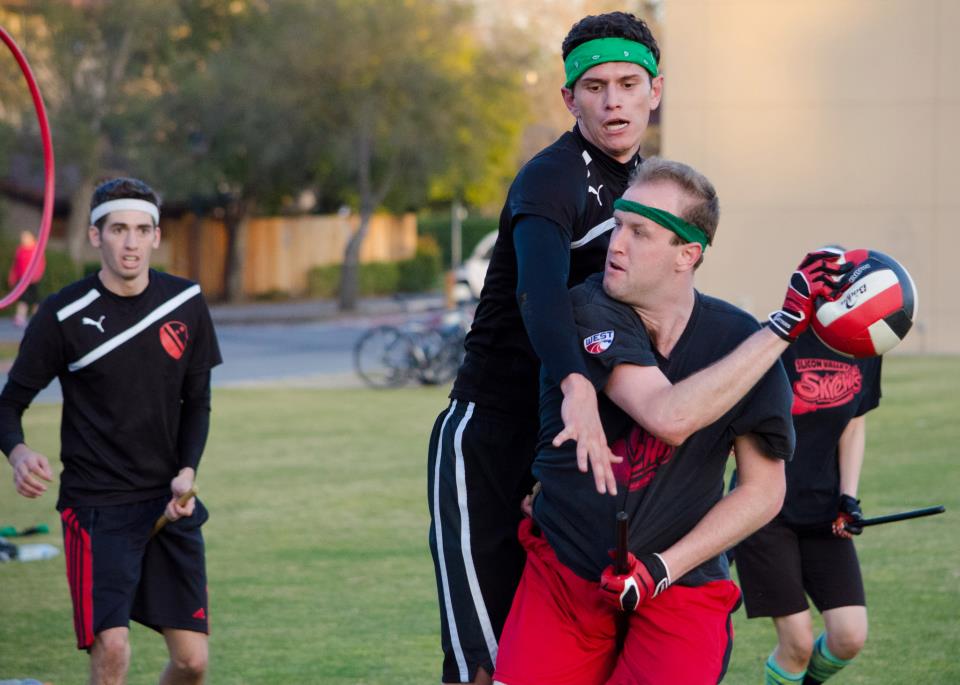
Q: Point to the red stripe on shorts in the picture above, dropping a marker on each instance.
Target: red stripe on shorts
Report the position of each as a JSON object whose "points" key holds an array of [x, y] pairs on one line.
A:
{"points": [[76, 543]]}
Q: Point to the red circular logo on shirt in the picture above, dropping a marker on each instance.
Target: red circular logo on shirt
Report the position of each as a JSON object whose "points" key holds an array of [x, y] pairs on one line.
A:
{"points": [[173, 337]]}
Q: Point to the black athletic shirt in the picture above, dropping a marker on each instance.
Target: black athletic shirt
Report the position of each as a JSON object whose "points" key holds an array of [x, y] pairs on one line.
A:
{"points": [[123, 363], [665, 490], [828, 391], [569, 187]]}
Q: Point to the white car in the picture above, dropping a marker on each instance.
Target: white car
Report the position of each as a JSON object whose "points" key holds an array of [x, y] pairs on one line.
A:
{"points": [[469, 276]]}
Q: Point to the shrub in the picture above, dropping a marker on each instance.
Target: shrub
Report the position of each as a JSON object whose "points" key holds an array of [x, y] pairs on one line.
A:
{"points": [[323, 281], [376, 278], [437, 226], [421, 272]]}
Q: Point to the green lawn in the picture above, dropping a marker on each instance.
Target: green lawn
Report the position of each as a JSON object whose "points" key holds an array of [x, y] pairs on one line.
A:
{"points": [[320, 572]]}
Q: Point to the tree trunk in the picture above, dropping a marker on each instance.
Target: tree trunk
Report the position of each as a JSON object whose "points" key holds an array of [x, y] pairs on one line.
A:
{"points": [[79, 220], [350, 271], [236, 220]]}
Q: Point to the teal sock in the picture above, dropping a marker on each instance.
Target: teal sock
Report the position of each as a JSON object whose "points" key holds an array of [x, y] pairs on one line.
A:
{"points": [[822, 664], [775, 675]]}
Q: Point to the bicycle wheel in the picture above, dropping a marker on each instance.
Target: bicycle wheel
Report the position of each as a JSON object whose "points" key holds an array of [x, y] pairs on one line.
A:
{"points": [[382, 357], [444, 355]]}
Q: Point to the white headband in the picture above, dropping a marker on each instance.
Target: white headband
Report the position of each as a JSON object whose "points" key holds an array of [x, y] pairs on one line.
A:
{"points": [[125, 203]]}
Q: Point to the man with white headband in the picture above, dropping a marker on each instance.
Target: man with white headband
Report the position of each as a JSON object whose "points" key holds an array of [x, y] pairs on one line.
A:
{"points": [[685, 378], [132, 349], [553, 233]]}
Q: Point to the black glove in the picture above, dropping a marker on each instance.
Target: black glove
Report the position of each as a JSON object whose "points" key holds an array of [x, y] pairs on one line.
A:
{"points": [[848, 518]]}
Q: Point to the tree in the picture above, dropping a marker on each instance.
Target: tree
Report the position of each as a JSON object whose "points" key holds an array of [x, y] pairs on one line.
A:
{"points": [[403, 106], [237, 130], [101, 66]]}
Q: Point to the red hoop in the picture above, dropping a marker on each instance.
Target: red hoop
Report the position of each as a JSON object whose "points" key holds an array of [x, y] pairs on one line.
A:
{"points": [[48, 185]]}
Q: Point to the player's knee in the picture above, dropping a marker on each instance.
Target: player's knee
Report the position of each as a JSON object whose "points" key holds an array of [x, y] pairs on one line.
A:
{"points": [[190, 664], [847, 643], [797, 648], [111, 652]]}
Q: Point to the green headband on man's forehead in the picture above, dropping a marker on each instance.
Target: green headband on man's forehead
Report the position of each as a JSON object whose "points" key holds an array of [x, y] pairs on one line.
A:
{"points": [[593, 52], [684, 229]]}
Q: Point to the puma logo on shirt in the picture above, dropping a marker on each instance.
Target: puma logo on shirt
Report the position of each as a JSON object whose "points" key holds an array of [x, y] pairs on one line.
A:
{"points": [[98, 323], [596, 191]]}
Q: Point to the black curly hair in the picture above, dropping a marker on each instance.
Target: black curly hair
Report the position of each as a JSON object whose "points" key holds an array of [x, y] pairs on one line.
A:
{"points": [[121, 188], [610, 25]]}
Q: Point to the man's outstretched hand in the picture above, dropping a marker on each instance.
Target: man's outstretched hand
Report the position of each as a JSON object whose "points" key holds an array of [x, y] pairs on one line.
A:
{"points": [[581, 422], [817, 276]]}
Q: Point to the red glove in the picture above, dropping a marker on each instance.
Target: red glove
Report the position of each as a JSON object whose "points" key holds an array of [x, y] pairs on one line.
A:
{"points": [[646, 578], [849, 516], [817, 276]]}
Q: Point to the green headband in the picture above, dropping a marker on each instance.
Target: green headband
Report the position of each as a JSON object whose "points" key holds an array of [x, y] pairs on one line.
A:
{"points": [[593, 52], [684, 229]]}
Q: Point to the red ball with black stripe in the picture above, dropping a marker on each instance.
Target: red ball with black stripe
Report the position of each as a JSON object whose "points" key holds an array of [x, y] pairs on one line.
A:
{"points": [[874, 313]]}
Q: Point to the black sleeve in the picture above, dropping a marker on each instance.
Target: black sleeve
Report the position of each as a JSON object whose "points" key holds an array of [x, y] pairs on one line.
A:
{"points": [[551, 186], [41, 357], [543, 266], [206, 350], [194, 418], [765, 414], [610, 333], [870, 372], [14, 400]]}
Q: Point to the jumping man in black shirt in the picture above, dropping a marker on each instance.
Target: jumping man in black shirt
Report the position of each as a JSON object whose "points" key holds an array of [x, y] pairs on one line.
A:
{"points": [[554, 230], [133, 349]]}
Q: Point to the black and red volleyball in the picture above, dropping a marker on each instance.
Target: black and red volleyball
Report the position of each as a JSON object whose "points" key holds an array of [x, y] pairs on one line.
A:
{"points": [[875, 311]]}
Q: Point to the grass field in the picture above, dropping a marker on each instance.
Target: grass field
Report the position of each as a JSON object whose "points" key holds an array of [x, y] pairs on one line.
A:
{"points": [[319, 568]]}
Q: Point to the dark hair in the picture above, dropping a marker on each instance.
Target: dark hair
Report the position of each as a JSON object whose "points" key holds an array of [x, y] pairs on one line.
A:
{"points": [[610, 25], [703, 206], [121, 188]]}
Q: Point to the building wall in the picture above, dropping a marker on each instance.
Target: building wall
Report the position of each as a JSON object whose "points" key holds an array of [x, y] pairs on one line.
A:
{"points": [[821, 121]]}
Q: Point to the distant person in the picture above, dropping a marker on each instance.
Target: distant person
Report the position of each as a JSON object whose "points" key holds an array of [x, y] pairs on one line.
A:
{"points": [[29, 300], [685, 378], [133, 349], [808, 548], [554, 230]]}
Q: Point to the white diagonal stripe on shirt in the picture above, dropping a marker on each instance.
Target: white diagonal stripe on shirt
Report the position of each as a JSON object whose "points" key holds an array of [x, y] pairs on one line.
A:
{"points": [[76, 306], [117, 340], [597, 230]]}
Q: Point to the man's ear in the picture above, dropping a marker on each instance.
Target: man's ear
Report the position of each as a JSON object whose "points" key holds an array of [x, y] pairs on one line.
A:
{"points": [[93, 234], [570, 101], [690, 254]]}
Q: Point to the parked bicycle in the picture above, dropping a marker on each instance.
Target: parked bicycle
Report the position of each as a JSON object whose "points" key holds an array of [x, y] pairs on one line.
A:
{"points": [[427, 352]]}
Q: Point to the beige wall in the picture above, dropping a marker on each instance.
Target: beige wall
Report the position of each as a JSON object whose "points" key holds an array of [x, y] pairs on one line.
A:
{"points": [[822, 121]]}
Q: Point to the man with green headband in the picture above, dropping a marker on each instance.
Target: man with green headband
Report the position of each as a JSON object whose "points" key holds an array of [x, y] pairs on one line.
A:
{"points": [[554, 230], [684, 379]]}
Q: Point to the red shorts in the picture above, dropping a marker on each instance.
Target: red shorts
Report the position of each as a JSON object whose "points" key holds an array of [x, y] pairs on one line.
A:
{"points": [[560, 631]]}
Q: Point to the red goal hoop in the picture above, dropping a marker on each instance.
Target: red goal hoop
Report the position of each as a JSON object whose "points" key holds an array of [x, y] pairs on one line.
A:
{"points": [[48, 184]]}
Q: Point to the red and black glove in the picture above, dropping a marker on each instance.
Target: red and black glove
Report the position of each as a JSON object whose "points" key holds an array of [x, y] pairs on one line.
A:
{"points": [[849, 516], [817, 276], [645, 578]]}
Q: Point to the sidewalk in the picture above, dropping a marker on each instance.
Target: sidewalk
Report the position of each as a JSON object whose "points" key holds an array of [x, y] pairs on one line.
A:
{"points": [[304, 311], [297, 311]]}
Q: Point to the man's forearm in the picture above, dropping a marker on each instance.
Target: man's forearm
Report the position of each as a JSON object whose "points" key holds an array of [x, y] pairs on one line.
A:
{"points": [[757, 498], [673, 412], [851, 447], [746, 509]]}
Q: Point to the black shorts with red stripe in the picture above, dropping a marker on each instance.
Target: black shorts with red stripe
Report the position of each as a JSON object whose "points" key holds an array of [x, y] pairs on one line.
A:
{"points": [[117, 571]]}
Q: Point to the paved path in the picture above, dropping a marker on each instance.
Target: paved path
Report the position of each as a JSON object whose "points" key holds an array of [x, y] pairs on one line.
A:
{"points": [[304, 343]]}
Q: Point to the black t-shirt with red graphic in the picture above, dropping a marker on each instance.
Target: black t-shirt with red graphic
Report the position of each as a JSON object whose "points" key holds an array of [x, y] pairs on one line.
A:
{"points": [[665, 491], [828, 391], [123, 364]]}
